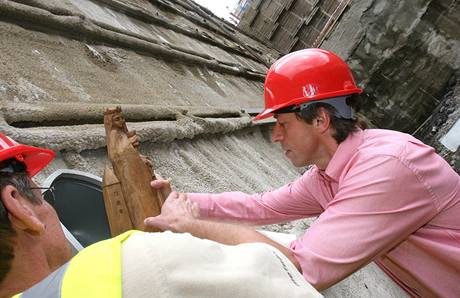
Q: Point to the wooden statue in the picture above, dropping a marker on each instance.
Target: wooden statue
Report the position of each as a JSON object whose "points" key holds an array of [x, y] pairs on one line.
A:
{"points": [[115, 205], [132, 174]]}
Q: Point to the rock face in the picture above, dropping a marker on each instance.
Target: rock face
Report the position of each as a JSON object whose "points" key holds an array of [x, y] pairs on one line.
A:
{"points": [[404, 53], [404, 60], [442, 129]]}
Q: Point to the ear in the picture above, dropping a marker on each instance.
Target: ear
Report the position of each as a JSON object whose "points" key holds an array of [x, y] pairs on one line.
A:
{"points": [[322, 122], [20, 214]]}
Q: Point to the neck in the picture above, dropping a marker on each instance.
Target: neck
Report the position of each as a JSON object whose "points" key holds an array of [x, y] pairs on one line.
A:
{"points": [[29, 266], [328, 148]]}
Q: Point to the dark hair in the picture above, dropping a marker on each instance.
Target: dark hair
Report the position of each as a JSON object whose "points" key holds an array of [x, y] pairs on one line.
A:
{"points": [[342, 127], [21, 181]]}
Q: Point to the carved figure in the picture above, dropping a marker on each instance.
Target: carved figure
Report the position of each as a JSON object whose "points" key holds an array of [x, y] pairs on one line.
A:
{"points": [[115, 205], [134, 173]]}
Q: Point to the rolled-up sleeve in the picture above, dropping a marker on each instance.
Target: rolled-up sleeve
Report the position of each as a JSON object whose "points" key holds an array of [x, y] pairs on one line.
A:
{"points": [[289, 202], [371, 213]]}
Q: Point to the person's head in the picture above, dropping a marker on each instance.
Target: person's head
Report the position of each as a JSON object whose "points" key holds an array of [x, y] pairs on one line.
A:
{"points": [[30, 230], [312, 94]]}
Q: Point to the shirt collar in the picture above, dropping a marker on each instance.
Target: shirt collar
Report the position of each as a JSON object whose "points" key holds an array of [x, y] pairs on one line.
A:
{"points": [[344, 151]]}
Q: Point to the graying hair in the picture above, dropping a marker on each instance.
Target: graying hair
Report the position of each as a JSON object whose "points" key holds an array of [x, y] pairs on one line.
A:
{"points": [[21, 181]]}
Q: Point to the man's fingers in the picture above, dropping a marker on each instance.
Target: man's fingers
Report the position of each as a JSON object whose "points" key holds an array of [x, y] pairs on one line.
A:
{"points": [[157, 183], [153, 222], [160, 183], [163, 186], [157, 176]]}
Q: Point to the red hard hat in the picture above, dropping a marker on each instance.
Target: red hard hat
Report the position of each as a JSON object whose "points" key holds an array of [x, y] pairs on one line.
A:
{"points": [[34, 158], [303, 76]]}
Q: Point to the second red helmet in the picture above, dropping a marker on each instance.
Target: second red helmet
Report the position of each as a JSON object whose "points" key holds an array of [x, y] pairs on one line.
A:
{"points": [[34, 158]]}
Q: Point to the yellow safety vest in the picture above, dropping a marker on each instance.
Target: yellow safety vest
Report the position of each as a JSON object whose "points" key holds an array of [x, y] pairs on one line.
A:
{"points": [[93, 272]]}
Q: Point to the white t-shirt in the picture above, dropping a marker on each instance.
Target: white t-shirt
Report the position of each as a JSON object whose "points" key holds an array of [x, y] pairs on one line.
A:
{"points": [[179, 265]]}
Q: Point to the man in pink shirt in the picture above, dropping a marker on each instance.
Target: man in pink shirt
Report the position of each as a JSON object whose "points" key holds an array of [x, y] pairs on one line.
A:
{"points": [[380, 195]]}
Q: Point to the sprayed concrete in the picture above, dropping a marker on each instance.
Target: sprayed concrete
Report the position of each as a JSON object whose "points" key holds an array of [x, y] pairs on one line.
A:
{"points": [[77, 26], [65, 114], [40, 67], [92, 136]]}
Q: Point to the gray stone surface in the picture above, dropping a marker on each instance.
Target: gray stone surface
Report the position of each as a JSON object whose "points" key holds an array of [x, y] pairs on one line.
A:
{"points": [[444, 119], [290, 25], [406, 56]]}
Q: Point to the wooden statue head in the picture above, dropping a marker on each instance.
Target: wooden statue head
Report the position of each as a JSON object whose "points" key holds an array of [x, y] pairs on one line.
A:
{"points": [[114, 120]]}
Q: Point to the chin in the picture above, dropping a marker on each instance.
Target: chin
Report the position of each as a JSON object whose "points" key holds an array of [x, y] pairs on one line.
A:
{"points": [[298, 164], [302, 163]]}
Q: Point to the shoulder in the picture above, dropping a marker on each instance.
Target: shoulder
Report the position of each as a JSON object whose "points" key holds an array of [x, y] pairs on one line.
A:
{"points": [[381, 151], [387, 151], [390, 143]]}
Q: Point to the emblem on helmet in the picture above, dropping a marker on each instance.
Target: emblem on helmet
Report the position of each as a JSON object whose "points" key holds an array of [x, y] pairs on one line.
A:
{"points": [[309, 90]]}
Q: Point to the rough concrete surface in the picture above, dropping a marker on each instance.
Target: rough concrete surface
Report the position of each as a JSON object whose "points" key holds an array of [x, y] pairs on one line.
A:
{"points": [[53, 68]]}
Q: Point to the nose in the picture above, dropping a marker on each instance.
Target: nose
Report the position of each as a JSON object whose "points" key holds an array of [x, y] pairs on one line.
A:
{"points": [[277, 135]]}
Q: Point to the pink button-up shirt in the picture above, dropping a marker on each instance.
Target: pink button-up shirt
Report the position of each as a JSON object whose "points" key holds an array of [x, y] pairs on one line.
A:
{"points": [[384, 197]]}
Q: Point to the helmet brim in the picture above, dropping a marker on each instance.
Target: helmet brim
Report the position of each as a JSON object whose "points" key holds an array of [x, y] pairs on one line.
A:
{"points": [[271, 111], [267, 113], [34, 158]]}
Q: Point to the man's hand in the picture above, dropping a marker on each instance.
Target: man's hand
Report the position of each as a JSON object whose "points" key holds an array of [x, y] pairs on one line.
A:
{"points": [[177, 212], [161, 185]]}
